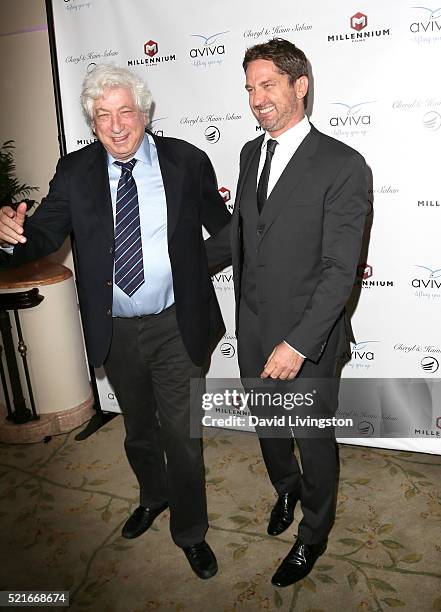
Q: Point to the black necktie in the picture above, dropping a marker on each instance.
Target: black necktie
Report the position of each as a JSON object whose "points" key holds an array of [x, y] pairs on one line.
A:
{"points": [[262, 187], [129, 270]]}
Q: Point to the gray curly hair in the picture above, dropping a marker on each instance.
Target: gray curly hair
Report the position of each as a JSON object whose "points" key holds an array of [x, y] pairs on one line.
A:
{"points": [[105, 76]]}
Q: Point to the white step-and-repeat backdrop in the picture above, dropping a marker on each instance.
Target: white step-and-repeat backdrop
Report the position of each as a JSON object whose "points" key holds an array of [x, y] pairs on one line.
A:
{"points": [[375, 86]]}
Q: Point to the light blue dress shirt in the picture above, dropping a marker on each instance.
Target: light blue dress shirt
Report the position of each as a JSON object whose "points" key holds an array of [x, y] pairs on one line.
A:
{"points": [[156, 293]]}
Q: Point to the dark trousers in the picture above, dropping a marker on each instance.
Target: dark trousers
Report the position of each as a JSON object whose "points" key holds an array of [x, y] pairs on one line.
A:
{"points": [[316, 479], [150, 371]]}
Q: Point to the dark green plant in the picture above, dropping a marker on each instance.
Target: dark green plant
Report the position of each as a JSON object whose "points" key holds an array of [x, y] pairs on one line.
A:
{"points": [[11, 190]]}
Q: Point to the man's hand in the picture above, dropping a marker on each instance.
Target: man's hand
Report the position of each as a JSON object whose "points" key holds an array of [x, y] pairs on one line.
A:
{"points": [[11, 224], [283, 363]]}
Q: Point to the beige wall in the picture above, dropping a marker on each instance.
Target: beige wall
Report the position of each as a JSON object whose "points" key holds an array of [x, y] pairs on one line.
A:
{"points": [[27, 99]]}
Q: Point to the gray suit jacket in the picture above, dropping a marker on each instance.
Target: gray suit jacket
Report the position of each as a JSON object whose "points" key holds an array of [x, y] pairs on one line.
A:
{"points": [[308, 243]]}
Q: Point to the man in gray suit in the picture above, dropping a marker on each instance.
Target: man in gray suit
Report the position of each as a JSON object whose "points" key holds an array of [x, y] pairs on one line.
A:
{"points": [[296, 237]]}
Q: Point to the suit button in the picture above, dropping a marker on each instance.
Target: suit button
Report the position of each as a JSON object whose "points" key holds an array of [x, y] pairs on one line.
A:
{"points": [[259, 232], [109, 283], [109, 312]]}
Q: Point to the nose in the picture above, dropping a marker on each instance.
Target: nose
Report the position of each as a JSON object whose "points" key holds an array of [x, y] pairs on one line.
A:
{"points": [[116, 123], [258, 97]]}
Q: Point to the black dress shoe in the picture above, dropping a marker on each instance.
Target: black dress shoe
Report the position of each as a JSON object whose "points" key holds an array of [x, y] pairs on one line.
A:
{"points": [[298, 563], [282, 515], [141, 519], [202, 559]]}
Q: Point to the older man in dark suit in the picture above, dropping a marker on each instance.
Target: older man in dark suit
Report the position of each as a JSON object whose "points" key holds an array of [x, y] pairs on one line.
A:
{"points": [[296, 235], [136, 204]]}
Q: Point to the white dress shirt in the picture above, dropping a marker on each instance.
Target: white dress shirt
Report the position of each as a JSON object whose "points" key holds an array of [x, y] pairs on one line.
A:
{"points": [[288, 143]]}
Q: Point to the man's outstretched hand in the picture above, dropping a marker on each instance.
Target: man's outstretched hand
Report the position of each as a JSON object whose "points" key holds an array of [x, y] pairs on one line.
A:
{"points": [[11, 224]]}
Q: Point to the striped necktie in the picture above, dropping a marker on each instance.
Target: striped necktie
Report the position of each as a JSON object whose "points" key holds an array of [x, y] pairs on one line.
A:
{"points": [[129, 270]]}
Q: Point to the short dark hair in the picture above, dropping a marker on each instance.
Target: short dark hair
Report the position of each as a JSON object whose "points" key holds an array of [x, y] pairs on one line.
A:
{"points": [[288, 58]]}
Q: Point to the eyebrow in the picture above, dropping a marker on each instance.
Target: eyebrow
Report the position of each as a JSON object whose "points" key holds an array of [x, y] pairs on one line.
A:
{"points": [[248, 86]]}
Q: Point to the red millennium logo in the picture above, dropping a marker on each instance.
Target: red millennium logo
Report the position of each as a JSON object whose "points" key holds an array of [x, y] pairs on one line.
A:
{"points": [[359, 21], [151, 48], [225, 193], [364, 271]]}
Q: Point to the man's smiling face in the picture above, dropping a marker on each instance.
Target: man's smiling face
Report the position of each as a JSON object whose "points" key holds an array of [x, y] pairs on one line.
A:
{"points": [[276, 104]]}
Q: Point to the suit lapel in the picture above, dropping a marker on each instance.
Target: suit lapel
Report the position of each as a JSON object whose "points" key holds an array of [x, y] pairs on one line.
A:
{"points": [[172, 177], [240, 184], [294, 173], [99, 188]]}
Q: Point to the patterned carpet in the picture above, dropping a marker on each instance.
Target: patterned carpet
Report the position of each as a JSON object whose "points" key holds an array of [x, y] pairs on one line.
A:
{"points": [[63, 504]]}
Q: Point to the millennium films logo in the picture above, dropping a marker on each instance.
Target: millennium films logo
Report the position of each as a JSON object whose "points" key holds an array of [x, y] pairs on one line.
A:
{"points": [[361, 356], [226, 196], [152, 56], [428, 203], [359, 23], [82, 142], [427, 283], [351, 119], [426, 25], [210, 50], [364, 279]]}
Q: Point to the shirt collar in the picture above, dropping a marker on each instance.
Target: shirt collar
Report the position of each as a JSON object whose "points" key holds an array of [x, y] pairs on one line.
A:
{"points": [[143, 153], [294, 135]]}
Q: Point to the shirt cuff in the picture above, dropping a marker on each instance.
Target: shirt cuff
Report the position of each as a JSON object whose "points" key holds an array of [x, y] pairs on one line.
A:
{"points": [[295, 350], [8, 249]]}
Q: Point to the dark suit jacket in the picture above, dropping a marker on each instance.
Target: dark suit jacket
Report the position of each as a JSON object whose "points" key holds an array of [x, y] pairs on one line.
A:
{"points": [[308, 243], [79, 200]]}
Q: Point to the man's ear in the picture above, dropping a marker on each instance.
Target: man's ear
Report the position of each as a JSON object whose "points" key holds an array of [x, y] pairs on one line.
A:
{"points": [[301, 87]]}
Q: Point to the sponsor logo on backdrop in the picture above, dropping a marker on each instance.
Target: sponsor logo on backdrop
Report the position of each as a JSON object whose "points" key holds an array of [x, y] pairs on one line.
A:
{"points": [[359, 22], [438, 422], [151, 48], [432, 121], [351, 119], [428, 111], [212, 134], [277, 30], [364, 278], [225, 193], [86, 56], [361, 355], [384, 190], [210, 50], [224, 280], [429, 350], [426, 25], [82, 142], [156, 127], [428, 203], [211, 118], [427, 283], [152, 55], [365, 428], [76, 5], [227, 350], [430, 364]]}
